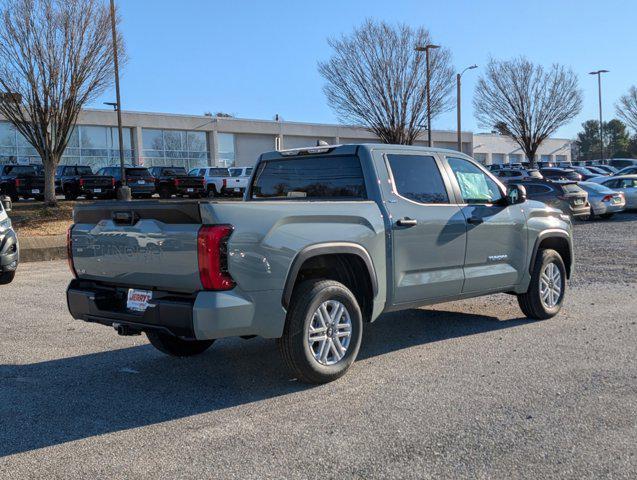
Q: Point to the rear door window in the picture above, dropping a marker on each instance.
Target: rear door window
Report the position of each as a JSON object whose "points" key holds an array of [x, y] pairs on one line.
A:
{"points": [[316, 177], [417, 178]]}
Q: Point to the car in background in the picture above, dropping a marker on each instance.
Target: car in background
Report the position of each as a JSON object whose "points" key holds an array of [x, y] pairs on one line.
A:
{"points": [[622, 162], [138, 179], [596, 169], [607, 168], [215, 179], [171, 181], [560, 174], [567, 196], [632, 170], [604, 201], [74, 181], [516, 174], [586, 172], [627, 184], [21, 181], [238, 181], [9, 247]]}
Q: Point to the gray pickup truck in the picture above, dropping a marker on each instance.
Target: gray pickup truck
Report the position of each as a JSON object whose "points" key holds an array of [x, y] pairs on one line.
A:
{"points": [[326, 239]]}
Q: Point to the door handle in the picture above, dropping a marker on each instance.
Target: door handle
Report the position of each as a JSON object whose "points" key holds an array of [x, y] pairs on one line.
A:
{"points": [[407, 222], [475, 220]]}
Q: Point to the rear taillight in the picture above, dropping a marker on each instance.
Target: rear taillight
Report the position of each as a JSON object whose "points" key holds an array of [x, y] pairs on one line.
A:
{"points": [[113, 182], [81, 182], [224, 183], [607, 198], [17, 182], [212, 249], [69, 250], [177, 182]]}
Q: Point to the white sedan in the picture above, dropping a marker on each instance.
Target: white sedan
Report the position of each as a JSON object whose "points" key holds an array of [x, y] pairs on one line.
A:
{"points": [[627, 184]]}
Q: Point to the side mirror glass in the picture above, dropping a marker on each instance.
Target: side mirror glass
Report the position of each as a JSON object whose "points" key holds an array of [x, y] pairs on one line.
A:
{"points": [[6, 203], [516, 194]]}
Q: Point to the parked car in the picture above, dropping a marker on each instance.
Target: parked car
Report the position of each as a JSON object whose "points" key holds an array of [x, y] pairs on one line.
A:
{"points": [[74, 181], [564, 195], [627, 184], [608, 168], [215, 179], [604, 201], [517, 174], [586, 172], [308, 257], [632, 170], [171, 181], [238, 180], [560, 174], [620, 163], [21, 181], [597, 170], [9, 247], [138, 179]]}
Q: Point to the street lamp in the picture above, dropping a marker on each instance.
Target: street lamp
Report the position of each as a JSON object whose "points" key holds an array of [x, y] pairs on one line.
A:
{"points": [[111, 104], [124, 192], [601, 127], [426, 49], [458, 78]]}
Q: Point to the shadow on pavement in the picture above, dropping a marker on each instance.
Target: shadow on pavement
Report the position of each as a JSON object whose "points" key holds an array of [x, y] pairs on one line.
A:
{"points": [[58, 401]]}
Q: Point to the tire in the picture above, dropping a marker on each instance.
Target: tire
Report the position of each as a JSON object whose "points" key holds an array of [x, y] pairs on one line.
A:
{"points": [[592, 217], [70, 196], [212, 192], [531, 302], [7, 277], [606, 216], [164, 193], [298, 354], [171, 345]]}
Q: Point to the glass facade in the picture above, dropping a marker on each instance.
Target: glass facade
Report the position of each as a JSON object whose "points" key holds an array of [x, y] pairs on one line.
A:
{"points": [[94, 146], [181, 148], [226, 149]]}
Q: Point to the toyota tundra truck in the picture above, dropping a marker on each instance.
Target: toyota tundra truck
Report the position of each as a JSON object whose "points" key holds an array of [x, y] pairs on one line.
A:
{"points": [[325, 240]]}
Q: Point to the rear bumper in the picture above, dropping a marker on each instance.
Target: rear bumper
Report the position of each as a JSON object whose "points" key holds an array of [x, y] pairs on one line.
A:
{"points": [[202, 315], [600, 208], [190, 190], [580, 211], [9, 251], [232, 190]]}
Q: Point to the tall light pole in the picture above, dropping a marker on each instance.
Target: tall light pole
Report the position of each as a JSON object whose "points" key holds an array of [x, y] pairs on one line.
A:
{"points": [[601, 125], [124, 192], [426, 49], [458, 78]]}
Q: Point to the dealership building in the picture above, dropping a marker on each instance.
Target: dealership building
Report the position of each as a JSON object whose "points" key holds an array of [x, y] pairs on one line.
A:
{"points": [[152, 139]]}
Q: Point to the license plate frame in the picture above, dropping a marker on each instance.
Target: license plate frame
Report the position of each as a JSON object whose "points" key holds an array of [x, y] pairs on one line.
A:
{"points": [[578, 202], [141, 182], [35, 190], [237, 189], [190, 190], [137, 300], [97, 190]]}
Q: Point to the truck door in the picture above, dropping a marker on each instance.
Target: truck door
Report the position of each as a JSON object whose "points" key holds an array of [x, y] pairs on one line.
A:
{"points": [[496, 233], [428, 229]]}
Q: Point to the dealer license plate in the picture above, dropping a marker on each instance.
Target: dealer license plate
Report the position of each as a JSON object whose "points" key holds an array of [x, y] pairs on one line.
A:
{"points": [[97, 190], [237, 189], [138, 299], [190, 189], [579, 201], [35, 190], [141, 182]]}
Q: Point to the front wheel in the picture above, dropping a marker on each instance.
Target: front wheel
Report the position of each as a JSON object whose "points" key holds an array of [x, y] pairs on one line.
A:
{"points": [[177, 347], [7, 277], [323, 331], [546, 291]]}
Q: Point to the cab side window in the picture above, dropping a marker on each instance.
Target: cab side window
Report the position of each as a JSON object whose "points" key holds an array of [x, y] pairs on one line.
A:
{"points": [[417, 178], [475, 185]]}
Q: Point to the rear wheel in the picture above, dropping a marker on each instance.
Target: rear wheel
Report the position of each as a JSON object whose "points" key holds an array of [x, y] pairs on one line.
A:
{"points": [[546, 291], [177, 347], [323, 331], [68, 195], [212, 191], [164, 193]]}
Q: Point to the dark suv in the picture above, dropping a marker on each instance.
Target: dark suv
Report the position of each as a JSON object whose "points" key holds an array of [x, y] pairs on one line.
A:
{"points": [[138, 179], [567, 196], [560, 174]]}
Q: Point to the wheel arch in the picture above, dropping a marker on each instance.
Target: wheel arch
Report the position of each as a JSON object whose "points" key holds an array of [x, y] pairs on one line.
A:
{"points": [[347, 259], [558, 240]]}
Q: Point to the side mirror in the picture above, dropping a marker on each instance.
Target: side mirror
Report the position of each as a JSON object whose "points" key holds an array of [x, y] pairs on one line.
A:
{"points": [[516, 194], [6, 203]]}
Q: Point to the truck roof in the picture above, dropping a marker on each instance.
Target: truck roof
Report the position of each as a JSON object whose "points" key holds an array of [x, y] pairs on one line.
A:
{"points": [[350, 149]]}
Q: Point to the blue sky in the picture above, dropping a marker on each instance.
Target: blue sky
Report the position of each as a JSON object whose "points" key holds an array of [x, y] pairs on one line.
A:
{"points": [[258, 58]]}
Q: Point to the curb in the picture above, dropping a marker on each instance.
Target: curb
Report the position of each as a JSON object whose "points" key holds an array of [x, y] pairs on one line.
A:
{"points": [[39, 249]]}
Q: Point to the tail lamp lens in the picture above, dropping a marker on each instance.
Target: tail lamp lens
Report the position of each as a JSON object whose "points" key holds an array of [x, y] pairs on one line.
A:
{"points": [[69, 250], [212, 248], [17, 182]]}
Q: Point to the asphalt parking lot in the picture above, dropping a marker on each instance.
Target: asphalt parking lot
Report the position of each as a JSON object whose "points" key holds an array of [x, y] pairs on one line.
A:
{"points": [[467, 389]]}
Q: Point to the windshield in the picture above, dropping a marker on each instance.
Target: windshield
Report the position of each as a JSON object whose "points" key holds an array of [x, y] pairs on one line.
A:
{"points": [[138, 172], [175, 171], [235, 172], [15, 170], [84, 171], [571, 188]]}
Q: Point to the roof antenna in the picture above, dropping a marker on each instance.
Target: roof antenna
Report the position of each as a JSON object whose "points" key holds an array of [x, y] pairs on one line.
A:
{"points": [[321, 143]]}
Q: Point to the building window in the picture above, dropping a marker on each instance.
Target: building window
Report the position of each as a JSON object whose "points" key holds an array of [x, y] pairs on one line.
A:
{"points": [[225, 148], [561, 158], [14, 148], [545, 158], [497, 158], [480, 157], [178, 148], [515, 158]]}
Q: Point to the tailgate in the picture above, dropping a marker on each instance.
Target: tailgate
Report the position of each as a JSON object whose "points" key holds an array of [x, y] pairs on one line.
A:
{"points": [[97, 181], [148, 245], [186, 181]]}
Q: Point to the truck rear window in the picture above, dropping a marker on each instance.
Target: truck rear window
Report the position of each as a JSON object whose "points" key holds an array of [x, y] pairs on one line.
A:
{"points": [[317, 177]]}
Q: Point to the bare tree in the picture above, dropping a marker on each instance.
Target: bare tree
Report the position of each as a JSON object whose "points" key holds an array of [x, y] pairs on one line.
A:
{"points": [[55, 56], [526, 102], [375, 79], [627, 108]]}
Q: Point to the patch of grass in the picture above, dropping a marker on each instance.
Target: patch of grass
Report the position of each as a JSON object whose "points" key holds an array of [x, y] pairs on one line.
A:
{"points": [[34, 219]]}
